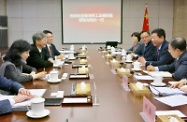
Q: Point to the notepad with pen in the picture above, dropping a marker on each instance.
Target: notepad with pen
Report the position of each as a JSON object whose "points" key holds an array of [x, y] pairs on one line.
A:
{"points": [[165, 91]]}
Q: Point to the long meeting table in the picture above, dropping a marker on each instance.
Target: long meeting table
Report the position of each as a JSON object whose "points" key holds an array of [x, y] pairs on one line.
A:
{"points": [[115, 104]]}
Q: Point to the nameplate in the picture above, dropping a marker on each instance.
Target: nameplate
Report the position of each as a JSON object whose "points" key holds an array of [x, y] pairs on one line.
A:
{"points": [[148, 113]]}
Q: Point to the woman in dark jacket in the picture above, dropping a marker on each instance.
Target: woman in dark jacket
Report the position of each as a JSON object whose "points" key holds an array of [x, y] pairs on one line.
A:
{"points": [[14, 66]]}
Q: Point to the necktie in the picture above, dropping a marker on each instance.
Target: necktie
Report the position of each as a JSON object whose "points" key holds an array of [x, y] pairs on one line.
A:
{"points": [[50, 51], [158, 51], [144, 49]]}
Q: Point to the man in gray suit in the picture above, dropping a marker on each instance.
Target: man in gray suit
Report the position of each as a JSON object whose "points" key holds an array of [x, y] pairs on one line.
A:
{"points": [[177, 48], [14, 87]]}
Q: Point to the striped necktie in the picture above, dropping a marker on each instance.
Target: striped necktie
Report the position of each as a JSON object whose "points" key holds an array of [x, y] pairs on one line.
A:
{"points": [[50, 51]]}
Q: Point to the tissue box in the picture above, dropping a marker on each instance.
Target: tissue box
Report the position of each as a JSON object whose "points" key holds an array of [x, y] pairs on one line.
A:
{"points": [[115, 64], [83, 92], [123, 71], [108, 56], [82, 50], [83, 70], [165, 118], [139, 92], [83, 61], [104, 52], [82, 54]]}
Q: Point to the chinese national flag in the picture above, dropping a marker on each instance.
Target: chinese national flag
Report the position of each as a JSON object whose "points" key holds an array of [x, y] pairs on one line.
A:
{"points": [[146, 21]]}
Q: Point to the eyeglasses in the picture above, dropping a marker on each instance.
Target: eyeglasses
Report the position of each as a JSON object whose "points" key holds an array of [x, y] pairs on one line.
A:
{"points": [[145, 37]]}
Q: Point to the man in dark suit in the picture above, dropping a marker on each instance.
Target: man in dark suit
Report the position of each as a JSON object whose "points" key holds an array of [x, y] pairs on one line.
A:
{"points": [[50, 47], [147, 49], [177, 49], [38, 57], [16, 88], [161, 55]]}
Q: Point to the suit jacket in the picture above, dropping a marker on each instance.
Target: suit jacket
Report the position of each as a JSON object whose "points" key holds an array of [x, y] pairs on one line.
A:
{"points": [[179, 67], [11, 86], [37, 59], [5, 107], [164, 56], [10, 71], [55, 52], [146, 51]]}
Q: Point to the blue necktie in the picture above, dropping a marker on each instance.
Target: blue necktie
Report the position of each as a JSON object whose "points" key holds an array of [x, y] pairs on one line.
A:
{"points": [[158, 53]]}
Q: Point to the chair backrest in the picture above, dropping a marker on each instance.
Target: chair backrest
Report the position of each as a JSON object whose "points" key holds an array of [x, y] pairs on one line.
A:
{"points": [[112, 43]]}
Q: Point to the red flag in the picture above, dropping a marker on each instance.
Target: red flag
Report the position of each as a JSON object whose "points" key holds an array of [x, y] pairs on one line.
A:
{"points": [[146, 21]]}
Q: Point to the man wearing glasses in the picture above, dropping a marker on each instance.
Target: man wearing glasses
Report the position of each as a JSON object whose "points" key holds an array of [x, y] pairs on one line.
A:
{"points": [[147, 49]]}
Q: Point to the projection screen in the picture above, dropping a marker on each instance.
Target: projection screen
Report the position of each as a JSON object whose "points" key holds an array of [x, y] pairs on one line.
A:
{"points": [[91, 21]]}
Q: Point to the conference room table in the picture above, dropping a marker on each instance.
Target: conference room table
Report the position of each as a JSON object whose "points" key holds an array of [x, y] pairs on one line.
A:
{"points": [[115, 104]]}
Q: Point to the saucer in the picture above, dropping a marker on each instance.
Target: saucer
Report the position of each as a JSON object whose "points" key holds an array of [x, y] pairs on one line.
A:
{"points": [[136, 69], [162, 84], [72, 58], [54, 81], [128, 61], [45, 113]]}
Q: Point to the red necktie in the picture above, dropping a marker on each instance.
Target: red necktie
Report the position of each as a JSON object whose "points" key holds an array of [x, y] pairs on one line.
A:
{"points": [[50, 51]]}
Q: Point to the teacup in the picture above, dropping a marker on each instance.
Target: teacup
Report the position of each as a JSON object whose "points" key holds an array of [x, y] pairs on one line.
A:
{"points": [[108, 47], [123, 52], [37, 106], [128, 58], [71, 55], [53, 75], [137, 65], [157, 79]]}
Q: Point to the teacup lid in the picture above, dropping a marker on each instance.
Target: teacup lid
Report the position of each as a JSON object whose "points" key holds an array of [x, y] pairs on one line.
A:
{"points": [[54, 71], [37, 100]]}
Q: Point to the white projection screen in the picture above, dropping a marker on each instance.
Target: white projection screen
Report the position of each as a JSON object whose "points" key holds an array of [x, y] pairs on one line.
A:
{"points": [[91, 21]]}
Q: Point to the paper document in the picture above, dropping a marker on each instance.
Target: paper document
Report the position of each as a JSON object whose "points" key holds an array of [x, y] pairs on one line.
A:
{"points": [[173, 101], [143, 77], [64, 51], [78, 76], [75, 100], [37, 92], [170, 112], [164, 91], [162, 73]]}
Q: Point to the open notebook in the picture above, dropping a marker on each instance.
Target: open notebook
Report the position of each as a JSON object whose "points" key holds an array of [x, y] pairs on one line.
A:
{"points": [[23, 105], [165, 91], [162, 73]]}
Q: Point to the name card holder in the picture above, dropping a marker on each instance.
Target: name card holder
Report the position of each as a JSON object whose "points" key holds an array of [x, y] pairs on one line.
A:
{"points": [[148, 113]]}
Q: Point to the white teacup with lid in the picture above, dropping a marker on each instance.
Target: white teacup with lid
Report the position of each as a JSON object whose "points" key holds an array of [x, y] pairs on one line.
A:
{"points": [[37, 106], [137, 65], [53, 75]]}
